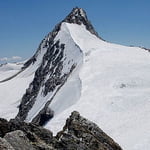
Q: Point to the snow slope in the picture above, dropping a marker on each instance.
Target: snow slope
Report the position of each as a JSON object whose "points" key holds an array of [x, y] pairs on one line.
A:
{"points": [[114, 92], [12, 90]]}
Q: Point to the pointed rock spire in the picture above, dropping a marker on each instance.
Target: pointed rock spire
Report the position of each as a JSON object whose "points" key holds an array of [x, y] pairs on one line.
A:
{"points": [[78, 16]]}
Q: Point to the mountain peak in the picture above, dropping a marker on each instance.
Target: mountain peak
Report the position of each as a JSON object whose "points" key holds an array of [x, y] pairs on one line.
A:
{"points": [[78, 16], [77, 13]]}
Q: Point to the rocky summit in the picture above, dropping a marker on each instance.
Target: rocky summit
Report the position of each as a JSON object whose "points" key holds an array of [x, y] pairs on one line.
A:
{"points": [[77, 134]]}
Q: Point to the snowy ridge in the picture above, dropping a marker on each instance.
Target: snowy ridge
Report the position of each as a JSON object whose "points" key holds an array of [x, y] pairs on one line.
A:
{"points": [[115, 90]]}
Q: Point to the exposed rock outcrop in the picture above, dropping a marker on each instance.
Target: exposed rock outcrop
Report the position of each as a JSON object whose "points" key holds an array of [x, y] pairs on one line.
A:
{"points": [[80, 133], [77, 134], [78, 16]]}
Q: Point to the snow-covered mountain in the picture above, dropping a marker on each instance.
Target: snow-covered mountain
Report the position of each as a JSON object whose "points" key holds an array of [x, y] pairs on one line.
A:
{"points": [[74, 69]]}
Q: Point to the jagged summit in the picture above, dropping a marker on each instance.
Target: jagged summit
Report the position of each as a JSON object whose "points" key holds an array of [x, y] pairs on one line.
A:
{"points": [[75, 13], [78, 16]]}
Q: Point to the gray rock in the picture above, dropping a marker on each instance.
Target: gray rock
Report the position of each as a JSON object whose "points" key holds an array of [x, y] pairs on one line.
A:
{"points": [[33, 132], [78, 16], [18, 140], [77, 134], [4, 145], [82, 134], [39, 137]]}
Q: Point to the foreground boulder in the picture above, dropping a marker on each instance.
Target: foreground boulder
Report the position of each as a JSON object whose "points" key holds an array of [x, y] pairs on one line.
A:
{"points": [[37, 136], [18, 140], [77, 134], [32, 131]]}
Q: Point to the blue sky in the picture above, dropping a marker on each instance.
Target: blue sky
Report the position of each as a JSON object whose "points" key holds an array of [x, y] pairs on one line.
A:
{"points": [[24, 23]]}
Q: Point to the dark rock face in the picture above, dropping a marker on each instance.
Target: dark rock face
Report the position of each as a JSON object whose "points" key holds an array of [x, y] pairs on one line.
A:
{"points": [[77, 134], [46, 42], [31, 134], [78, 16], [52, 65], [43, 117]]}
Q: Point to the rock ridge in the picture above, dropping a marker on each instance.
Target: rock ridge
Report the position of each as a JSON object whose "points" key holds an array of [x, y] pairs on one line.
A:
{"points": [[77, 134]]}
